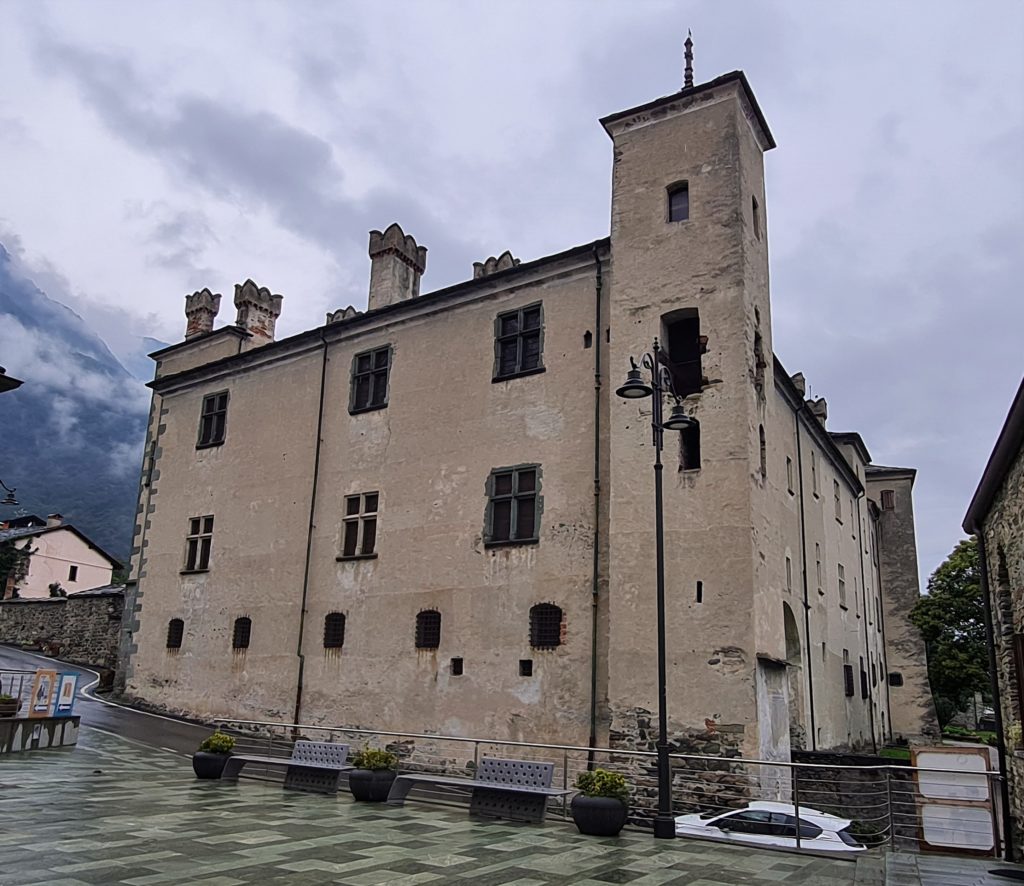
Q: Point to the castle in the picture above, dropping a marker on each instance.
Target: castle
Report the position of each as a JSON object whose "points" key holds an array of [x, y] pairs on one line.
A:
{"points": [[435, 515]]}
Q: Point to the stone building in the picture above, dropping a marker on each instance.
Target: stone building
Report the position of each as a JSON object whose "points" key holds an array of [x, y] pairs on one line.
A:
{"points": [[435, 515], [996, 517]]}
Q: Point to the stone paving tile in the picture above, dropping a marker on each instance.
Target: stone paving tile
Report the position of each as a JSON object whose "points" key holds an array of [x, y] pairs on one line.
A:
{"points": [[112, 812]]}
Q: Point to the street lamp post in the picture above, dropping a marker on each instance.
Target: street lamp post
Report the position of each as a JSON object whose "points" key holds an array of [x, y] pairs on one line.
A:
{"points": [[636, 388], [8, 499]]}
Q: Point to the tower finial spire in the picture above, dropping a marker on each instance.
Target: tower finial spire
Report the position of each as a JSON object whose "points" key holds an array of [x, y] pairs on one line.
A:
{"points": [[688, 55]]}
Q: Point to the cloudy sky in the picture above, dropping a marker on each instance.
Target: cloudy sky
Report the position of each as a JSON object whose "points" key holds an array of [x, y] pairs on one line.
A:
{"points": [[150, 149]]}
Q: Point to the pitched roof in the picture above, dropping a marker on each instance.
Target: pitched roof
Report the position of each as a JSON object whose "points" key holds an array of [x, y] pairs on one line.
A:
{"points": [[1007, 448], [33, 531]]}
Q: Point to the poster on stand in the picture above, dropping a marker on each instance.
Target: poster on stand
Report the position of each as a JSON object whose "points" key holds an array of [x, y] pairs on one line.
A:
{"points": [[66, 695], [43, 688]]}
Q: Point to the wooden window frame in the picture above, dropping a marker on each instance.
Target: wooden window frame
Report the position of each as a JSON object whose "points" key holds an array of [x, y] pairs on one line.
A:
{"points": [[359, 526], [213, 420], [199, 544], [680, 187], [377, 372], [503, 337], [515, 497]]}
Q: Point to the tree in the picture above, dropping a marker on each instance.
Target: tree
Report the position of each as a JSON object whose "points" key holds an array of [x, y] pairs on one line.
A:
{"points": [[951, 619], [13, 565]]}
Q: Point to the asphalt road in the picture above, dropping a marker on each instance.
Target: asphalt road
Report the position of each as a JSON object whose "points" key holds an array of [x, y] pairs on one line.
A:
{"points": [[153, 730]]}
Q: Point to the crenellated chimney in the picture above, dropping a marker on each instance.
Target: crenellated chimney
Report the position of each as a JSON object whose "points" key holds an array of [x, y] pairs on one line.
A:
{"points": [[819, 409], [258, 310], [799, 382], [200, 311], [396, 265], [492, 265]]}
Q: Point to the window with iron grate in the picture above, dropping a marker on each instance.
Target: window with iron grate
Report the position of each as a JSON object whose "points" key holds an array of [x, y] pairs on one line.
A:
{"points": [[428, 629], [334, 630], [545, 626], [241, 633], [175, 633]]}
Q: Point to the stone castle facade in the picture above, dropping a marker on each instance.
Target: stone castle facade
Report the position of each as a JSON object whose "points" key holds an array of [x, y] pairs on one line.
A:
{"points": [[436, 516]]}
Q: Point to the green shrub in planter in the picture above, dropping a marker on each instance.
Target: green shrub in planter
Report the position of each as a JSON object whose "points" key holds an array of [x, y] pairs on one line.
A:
{"points": [[601, 807], [374, 774], [212, 756]]}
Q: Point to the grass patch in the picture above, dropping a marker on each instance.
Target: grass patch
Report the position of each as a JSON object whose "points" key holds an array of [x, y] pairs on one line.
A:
{"points": [[901, 754]]}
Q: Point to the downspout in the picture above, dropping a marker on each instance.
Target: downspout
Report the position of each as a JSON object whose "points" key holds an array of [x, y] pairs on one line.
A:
{"points": [[885, 643], [309, 531], [864, 607], [997, 706], [803, 573], [595, 586]]}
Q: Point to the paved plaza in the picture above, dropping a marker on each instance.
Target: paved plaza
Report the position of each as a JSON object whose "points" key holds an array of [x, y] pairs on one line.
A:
{"points": [[114, 812]]}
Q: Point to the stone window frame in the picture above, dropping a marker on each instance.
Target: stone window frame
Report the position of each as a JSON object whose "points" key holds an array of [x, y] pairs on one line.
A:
{"points": [[73, 572], [838, 500], [841, 573], [517, 335], [359, 526], [428, 629], [677, 210], [375, 372], [199, 544], [213, 420], [546, 626], [515, 497]]}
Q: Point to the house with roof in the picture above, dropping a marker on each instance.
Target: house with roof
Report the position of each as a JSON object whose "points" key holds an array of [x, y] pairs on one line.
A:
{"points": [[59, 556]]}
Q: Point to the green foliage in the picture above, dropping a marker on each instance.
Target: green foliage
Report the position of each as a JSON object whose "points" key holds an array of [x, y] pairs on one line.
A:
{"points": [[374, 758], [602, 783], [218, 743], [14, 562], [901, 754], [5, 697], [951, 619], [960, 733]]}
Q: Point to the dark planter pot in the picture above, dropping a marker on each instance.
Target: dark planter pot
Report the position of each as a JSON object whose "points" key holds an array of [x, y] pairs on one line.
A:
{"points": [[207, 765], [371, 785], [598, 816], [10, 708]]}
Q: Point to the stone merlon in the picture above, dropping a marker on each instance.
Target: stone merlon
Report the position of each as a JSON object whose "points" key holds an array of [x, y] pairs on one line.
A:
{"points": [[258, 310], [396, 265], [200, 311], [492, 265]]}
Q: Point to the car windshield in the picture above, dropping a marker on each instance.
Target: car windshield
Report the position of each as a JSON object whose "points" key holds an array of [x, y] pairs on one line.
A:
{"points": [[848, 838]]}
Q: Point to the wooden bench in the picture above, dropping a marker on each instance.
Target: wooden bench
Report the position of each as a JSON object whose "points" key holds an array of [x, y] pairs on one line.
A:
{"points": [[314, 766], [511, 789]]}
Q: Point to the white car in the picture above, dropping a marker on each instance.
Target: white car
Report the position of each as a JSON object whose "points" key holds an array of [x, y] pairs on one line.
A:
{"points": [[772, 824]]}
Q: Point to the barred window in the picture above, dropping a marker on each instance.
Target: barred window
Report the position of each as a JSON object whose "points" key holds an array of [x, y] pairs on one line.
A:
{"points": [[545, 626], [199, 543], [241, 633], [334, 630], [370, 380], [513, 514], [428, 629], [213, 420], [518, 342], [175, 633], [895, 678]]}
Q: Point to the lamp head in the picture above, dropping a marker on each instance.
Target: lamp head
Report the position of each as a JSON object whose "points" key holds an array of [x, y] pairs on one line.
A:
{"points": [[635, 387], [679, 420]]}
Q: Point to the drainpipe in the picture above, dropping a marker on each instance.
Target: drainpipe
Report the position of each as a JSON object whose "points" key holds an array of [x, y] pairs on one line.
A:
{"points": [[867, 645], [997, 705], [885, 643], [309, 531], [803, 573], [595, 587]]}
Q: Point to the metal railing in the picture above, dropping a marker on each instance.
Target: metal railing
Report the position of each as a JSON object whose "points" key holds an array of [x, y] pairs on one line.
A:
{"points": [[883, 802]]}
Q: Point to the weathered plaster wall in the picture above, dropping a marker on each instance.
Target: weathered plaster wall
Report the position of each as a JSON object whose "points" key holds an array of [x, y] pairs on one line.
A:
{"points": [[1003, 530], [86, 629]]}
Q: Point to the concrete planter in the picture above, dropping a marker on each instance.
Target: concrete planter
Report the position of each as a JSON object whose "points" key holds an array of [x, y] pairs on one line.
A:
{"points": [[208, 765], [10, 708], [599, 816], [371, 785]]}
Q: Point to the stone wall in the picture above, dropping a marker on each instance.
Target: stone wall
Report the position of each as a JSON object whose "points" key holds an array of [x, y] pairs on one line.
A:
{"points": [[84, 629]]}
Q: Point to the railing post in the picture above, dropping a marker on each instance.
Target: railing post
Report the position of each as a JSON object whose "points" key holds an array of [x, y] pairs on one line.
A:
{"points": [[888, 800], [565, 782], [796, 802]]}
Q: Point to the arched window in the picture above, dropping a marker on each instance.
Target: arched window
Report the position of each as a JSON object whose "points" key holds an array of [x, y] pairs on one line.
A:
{"points": [[334, 630], [240, 635], [175, 633], [428, 629], [545, 626], [679, 202], [764, 451]]}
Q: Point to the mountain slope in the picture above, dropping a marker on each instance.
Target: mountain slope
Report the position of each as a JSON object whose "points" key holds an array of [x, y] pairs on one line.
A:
{"points": [[71, 436]]}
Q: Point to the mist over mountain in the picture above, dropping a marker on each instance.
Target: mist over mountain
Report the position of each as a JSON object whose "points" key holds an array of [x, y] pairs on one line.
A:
{"points": [[71, 437]]}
